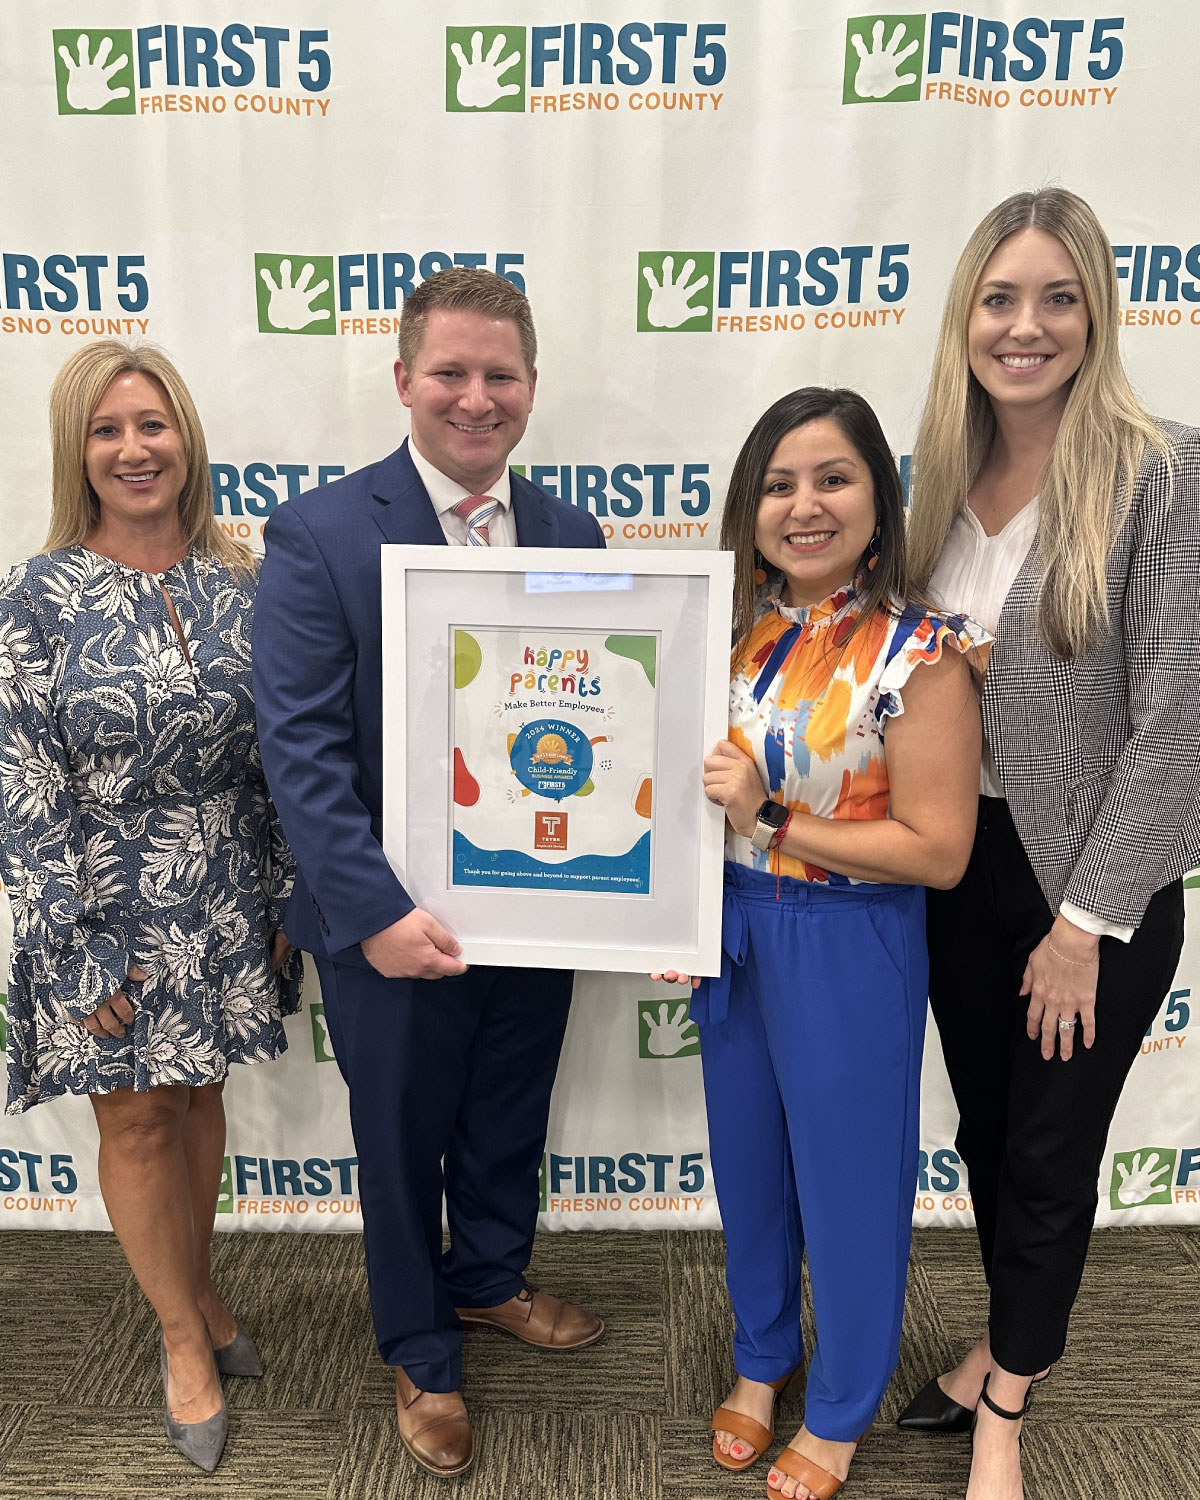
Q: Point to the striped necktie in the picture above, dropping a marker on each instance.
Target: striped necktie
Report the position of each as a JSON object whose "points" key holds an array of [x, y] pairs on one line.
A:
{"points": [[477, 511]]}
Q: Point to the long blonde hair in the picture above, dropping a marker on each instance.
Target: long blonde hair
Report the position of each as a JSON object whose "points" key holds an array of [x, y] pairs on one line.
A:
{"points": [[74, 397], [1102, 437]]}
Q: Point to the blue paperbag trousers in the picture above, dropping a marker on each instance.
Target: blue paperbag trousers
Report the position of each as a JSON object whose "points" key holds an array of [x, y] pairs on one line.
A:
{"points": [[811, 1044]]}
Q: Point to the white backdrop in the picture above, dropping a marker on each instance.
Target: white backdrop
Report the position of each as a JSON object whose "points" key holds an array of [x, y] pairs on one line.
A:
{"points": [[708, 205]]}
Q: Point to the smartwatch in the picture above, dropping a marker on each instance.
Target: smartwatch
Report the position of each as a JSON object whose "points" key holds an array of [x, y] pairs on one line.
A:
{"points": [[771, 818]]}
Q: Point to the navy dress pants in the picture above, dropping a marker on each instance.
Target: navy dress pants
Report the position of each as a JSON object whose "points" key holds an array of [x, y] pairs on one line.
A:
{"points": [[450, 1084], [811, 1044], [1032, 1132]]}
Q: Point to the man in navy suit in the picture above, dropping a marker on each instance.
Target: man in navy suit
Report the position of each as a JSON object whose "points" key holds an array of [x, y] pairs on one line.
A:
{"points": [[449, 1069]]}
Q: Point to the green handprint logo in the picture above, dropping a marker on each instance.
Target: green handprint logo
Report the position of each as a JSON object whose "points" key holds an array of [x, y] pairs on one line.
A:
{"points": [[87, 82], [675, 301], [295, 293], [872, 70], [491, 79], [1142, 1177], [225, 1191], [322, 1046], [666, 1029]]}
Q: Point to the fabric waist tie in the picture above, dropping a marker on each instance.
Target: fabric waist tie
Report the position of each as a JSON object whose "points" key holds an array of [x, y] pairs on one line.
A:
{"points": [[746, 888]]}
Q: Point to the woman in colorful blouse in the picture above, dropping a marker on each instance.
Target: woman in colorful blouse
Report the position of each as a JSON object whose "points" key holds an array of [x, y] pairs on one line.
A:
{"points": [[848, 783], [144, 862]]}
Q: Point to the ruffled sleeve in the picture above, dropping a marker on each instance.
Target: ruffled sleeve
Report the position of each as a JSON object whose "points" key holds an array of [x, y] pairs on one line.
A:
{"points": [[921, 638], [56, 878]]}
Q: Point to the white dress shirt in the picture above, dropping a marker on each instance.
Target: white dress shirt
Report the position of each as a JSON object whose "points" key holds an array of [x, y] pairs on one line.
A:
{"points": [[446, 493], [973, 576]]}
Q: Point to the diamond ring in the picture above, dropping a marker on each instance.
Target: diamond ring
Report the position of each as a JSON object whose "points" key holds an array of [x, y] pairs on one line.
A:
{"points": [[1066, 1026]]}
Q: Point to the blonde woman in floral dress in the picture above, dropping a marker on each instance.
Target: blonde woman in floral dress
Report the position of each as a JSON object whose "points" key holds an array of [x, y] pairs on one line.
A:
{"points": [[141, 854]]}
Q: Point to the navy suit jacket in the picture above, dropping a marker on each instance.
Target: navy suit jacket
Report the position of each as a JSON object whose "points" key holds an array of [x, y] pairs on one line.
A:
{"points": [[318, 683]]}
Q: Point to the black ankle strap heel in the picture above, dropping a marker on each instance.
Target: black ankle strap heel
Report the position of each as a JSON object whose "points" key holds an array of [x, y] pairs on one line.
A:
{"points": [[999, 1411]]}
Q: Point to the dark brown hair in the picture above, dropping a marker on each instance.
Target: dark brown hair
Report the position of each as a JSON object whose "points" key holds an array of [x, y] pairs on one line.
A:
{"points": [[886, 585]]}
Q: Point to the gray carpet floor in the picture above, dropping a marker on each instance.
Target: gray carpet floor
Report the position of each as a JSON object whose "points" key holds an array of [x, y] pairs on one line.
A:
{"points": [[80, 1404]]}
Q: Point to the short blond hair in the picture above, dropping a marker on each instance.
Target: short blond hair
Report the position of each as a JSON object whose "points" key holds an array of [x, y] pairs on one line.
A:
{"points": [[76, 393], [465, 289]]}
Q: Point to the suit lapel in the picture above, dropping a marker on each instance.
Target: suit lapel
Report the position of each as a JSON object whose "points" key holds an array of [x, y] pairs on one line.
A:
{"points": [[403, 510], [1018, 619], [535, 523]]}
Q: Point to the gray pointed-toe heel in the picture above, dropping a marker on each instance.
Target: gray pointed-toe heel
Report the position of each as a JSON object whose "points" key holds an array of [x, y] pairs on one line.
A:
{"points": [[201, 1442], [239, 1357]]}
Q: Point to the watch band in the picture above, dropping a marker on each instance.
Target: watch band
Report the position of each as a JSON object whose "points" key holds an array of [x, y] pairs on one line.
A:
{"points": [[772, 817], [762, 836]]}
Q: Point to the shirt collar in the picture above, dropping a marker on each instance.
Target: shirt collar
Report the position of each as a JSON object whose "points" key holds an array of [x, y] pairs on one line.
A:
{"points": [[838, 606], [444, 492]]}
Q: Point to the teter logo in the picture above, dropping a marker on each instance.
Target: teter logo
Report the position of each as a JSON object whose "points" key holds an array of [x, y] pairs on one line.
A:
{"points": [[485, 68], [322, 1046], [550, 830], [93, 71], [1142, 1177], [666, 1029], [295, 293], [877, 49], [675, 291]]}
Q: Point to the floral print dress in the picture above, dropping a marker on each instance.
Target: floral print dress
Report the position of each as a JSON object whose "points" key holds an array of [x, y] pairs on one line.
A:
{"points": [[135, 827]]}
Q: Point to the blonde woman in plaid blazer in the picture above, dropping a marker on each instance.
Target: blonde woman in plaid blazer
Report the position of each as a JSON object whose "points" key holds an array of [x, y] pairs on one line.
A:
{"points": [[1050, 507]]}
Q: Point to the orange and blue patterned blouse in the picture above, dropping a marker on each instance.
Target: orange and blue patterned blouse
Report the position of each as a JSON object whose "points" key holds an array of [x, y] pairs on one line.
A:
{"points": [[811, 710]]}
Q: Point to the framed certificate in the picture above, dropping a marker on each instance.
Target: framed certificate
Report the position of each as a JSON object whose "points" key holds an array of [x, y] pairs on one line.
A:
{"points": [[546, 715]]}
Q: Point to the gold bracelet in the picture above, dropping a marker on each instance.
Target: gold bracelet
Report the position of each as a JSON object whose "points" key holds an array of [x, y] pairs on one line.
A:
{"points": [[1076, 963]]}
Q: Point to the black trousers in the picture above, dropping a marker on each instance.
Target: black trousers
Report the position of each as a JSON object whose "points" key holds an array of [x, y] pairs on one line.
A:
{"points": [[1032, 1132]]}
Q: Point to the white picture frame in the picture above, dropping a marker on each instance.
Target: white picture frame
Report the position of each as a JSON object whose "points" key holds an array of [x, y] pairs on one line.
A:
{"points": [[435, 597]]}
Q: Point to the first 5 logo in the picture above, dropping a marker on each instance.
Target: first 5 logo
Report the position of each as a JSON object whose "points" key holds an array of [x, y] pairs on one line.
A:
{"points": [[1142, 1177], [685, 291], [322, 1046], [304, 293], [485, 68], [93, 72], [666, 1029], [496, 68], [887, 55], [98, 70]]}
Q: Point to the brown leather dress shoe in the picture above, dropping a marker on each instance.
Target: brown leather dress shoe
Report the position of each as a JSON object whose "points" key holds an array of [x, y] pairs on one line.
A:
{"points": [[538, 1318], [434, 1427]]}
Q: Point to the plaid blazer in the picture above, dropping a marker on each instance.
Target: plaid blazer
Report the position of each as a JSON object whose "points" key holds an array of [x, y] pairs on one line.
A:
{"points": [[1099, 756]]}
